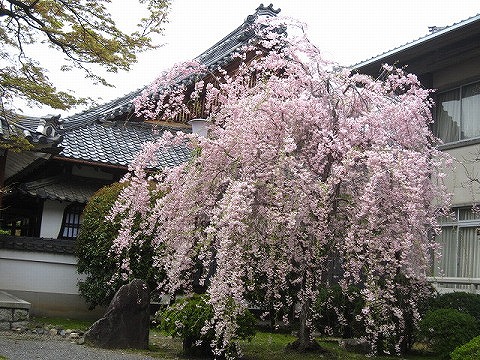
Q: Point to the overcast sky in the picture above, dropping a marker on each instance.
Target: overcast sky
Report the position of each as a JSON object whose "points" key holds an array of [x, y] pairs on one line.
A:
{"points": [[347, 31]]}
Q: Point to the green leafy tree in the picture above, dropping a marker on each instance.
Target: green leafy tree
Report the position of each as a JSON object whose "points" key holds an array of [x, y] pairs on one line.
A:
{"points": [[84, 31], [93, 250]]}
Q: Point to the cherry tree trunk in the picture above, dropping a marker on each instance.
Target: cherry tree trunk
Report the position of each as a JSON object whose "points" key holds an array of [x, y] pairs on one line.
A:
{"points": [[305, 341], [305, 331]]}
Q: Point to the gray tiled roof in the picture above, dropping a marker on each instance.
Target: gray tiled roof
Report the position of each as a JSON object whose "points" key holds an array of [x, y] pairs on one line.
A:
{"points": [[89, 136], [22, 162], [24, 243], [116, 144], [219, 53], [72, 188]]}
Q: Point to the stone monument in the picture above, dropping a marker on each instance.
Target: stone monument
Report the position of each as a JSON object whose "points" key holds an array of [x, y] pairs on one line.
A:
{"points": [[126, 321]]}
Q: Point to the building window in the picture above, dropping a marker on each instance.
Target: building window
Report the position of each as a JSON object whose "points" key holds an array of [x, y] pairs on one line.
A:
{"points": [[71, 221], [460, 241], [458, 113]]}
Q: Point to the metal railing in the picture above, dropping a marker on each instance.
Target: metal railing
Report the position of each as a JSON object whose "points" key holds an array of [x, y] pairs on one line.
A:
{"points": [[446, 284]]}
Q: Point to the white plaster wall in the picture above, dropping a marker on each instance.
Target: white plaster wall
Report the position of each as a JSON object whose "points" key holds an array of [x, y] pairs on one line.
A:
{"points": [[52, 218], [38, 272], [47, 281]]}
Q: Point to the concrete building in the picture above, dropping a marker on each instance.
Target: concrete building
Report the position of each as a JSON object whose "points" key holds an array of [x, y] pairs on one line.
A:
{"points": [[448, 60]]}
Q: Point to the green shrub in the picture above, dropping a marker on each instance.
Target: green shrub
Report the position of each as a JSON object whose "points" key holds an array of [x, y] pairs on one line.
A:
{"points": [[445, 329], [468, 351], [187, 317], [464, 302], [92, 249]]}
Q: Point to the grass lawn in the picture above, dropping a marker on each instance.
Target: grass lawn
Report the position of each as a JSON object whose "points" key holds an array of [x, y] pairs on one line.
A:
{"points": [[267, 346], [264, 346]]}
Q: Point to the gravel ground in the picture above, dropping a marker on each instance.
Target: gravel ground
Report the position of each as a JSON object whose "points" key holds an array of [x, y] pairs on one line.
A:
{"points": [[29, 347]]}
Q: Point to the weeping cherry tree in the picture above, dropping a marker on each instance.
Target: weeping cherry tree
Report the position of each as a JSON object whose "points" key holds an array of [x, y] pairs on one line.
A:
{"points": [[310, 176]]}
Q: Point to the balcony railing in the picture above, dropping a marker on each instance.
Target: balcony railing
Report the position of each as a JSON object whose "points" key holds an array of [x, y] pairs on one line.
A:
{"points": [[449, 284]]}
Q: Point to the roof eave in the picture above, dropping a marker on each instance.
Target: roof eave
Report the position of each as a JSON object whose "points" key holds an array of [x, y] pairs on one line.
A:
{"points": [[423, 42]]}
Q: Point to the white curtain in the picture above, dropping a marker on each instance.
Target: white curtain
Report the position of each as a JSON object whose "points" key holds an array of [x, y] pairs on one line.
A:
{"points": [[448, 116], [447, 264], [470, 111], [460, 252], [468, 253]]}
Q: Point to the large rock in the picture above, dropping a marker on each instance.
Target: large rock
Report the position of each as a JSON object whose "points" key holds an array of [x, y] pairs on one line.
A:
{"points": [[126, 321], [355, 345]]}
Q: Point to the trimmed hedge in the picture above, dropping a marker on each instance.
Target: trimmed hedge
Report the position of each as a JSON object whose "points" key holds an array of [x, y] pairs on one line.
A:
{"points": [[464, 302], [445, 329], [92, 249], [468, 351]]}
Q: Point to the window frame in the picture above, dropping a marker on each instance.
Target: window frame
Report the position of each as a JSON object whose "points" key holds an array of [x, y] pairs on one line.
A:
{"points": [[457, 224], [458, 142], [71, 221]]}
